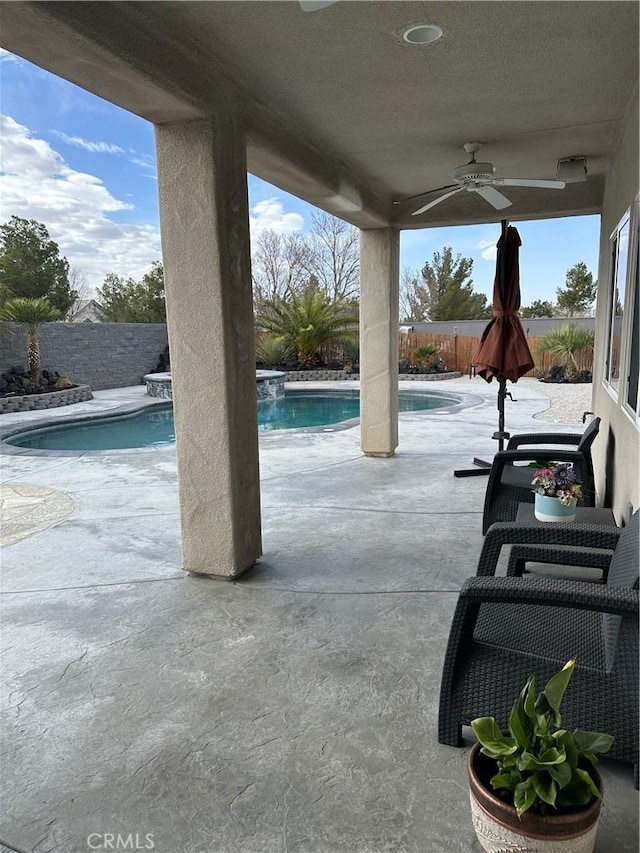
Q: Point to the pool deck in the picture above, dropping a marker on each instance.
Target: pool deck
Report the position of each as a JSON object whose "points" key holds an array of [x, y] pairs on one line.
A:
{"points": [[293, 711]]}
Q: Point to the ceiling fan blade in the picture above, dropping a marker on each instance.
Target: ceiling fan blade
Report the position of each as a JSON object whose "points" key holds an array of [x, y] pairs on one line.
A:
{"points": [[425, 192], [494, 198], [436, 201], [315, 5], [529, 182]]}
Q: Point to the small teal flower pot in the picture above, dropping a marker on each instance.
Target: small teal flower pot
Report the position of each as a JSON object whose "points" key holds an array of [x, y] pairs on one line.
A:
{"points": [[550, 509]]}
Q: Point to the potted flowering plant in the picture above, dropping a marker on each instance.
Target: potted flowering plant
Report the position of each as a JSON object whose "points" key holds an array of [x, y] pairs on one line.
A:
{"points": [[557, 491], [535, 788]]}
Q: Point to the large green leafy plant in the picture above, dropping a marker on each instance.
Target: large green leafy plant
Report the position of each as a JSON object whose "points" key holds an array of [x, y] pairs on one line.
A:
{"points": [[539, 764], [306, 321], [564, 343]]}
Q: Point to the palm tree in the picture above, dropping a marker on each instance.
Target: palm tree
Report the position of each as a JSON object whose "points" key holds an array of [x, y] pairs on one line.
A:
{"points": [[30, 313], [564, 342], [306, 321]]}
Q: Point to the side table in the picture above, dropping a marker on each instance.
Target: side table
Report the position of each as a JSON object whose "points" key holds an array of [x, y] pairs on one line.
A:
{"points": [[584, 515]]}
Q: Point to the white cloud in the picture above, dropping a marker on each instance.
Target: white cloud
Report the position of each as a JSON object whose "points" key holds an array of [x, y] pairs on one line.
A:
{"points": [[488, 249], [88, 145], [144, 160], [5, 56], [270, 214], [36, 183]]}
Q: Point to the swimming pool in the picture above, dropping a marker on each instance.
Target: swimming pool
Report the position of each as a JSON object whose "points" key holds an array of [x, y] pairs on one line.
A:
{"points": [[154, 427]]}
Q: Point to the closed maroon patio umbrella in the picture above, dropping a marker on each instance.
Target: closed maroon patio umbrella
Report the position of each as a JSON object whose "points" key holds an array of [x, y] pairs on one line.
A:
{"points": [[503, 352]]}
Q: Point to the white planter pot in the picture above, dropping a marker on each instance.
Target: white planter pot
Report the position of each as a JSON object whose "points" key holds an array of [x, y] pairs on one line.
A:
{"points": [[550, 509], [495, 837]]}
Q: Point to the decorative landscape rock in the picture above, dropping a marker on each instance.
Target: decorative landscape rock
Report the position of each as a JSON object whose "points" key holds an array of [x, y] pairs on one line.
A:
{"points": [[560, 375], [18, 395], [164, 362]]}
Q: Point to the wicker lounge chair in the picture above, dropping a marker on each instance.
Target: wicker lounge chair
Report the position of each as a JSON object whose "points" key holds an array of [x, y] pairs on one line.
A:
{"points": [[507, 628], [510, 484]]}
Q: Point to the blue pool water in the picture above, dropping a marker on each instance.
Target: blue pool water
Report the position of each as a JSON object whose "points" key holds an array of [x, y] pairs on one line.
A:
{"points": [[154, 426]]}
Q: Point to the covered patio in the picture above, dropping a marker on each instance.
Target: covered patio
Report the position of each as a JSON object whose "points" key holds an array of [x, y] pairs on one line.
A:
{"points": [[293, 710], [337, 107]]}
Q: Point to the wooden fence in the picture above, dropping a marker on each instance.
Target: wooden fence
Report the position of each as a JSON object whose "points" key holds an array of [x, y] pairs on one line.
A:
{"points": [[456, 351]]}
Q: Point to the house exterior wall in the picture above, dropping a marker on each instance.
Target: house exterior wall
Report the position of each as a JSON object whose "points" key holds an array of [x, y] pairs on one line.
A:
{"points": [[102, 355], [617, 449]]}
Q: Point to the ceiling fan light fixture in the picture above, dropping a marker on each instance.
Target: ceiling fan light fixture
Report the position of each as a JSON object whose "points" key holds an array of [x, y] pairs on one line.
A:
{"points": [[473, 171], [572, 170], [422, 34]]}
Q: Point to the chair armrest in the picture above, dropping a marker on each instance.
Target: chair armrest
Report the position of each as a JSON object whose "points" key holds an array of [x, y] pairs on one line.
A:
{"points": [[543, 438], [508, 456], [558, 555], [551, 592], [519, 533]]}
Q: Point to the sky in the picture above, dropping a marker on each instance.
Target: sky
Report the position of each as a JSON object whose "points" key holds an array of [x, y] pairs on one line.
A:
{"points": [[87, 170]]}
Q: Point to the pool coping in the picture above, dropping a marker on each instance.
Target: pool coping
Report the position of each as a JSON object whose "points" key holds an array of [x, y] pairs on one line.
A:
{"points": [[466, 400]]}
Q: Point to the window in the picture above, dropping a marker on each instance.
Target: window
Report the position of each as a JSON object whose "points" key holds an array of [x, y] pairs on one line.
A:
{"points": [[619, 263], [632, 359]]}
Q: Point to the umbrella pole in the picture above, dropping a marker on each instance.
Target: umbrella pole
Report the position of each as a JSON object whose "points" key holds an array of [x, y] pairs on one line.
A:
{"points": [[501, 435]]}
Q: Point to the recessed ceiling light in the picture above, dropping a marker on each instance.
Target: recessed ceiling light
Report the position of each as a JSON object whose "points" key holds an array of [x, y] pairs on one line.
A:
{"points": [[422, 34]]}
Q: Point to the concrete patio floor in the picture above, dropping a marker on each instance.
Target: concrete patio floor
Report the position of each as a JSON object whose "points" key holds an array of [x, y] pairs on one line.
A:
{"points": [[293, 711]]}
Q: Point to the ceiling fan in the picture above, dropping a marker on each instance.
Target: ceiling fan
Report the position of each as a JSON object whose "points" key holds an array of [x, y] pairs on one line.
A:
{"points": [[479, 178]]}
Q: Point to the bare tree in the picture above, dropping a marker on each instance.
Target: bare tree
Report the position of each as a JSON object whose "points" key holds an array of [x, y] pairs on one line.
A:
{"points": [[277, 266], [327, 260], [80, 286], [414, 299], [333, 257]]}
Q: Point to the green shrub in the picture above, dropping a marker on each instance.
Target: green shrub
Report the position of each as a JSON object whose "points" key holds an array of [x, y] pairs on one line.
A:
{"points": [[564, 343], [425, 356], [63, 382], [350, 354], [272, 352]]}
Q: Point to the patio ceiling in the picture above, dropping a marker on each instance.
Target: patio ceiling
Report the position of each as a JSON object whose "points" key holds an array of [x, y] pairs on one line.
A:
{"points": [[343, 113]]}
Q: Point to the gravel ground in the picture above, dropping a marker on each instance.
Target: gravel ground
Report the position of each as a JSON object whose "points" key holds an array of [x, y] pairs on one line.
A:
{"points": [[567, 402]]}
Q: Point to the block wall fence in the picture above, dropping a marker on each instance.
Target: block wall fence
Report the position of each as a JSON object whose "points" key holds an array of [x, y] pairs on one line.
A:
{"points": [[115, 355], [102, 355]]}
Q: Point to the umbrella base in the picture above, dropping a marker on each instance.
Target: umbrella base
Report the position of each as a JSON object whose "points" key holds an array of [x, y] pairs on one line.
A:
{"points": [[483, 468], [471, 472]]}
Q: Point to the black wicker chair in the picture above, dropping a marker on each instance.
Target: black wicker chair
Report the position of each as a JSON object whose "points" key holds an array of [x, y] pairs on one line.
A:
{"points": [[510, 484], [583, 546], [507, 628]]}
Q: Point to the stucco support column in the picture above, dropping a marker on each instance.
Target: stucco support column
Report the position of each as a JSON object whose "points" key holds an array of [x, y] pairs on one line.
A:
{"points": [[205, 242], [379, 309]]}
